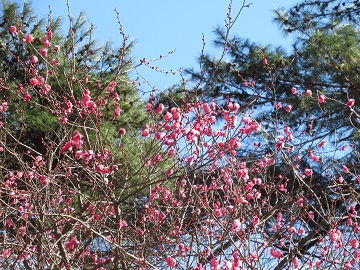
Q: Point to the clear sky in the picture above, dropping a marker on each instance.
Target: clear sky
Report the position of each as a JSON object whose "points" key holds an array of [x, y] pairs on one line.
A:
{"points": [[160, 26]]}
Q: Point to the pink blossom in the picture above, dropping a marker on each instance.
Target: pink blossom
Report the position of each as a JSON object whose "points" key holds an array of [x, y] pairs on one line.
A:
{"points": [[41, 80], [215, 264], [296, 263], [354, 243], [308, 93], [122, 131], [350, 264], [149, 107], [123, 224], [47, 43], [275, 253], [7, 253], [55, 62], [308, 172], [27, 96], [294, 90], [311, 215], [169, 172], [314, 158], [256, 220], [236, 223], [300, 202], [236, 107], [71, 244], [57, 48], [145, 132], [278, 106], [68, 146], [49, 34], [78, 154], [22, 230], [44, 51], [158, 158], [34, 59], [160, 109], [292, 230], [168, 116], [280, 144], [235, 143], [171, 152], [322, 144], [254, 256], [221, 144], [44, 180], [110, 89], [171, 261], [207, 108], [340, 180], [13, 29], [117, 112], [34, 81], [335, 235], [46, 89], [322, 99], [176, 112], [29, 38], [116, 97], [99, 168], [287, 130], [288, 108], [77, 139], [350, 103], [241, 200]]}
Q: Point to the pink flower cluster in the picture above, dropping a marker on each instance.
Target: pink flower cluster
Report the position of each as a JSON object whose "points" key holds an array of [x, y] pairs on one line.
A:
{"points": [[77, 141]]}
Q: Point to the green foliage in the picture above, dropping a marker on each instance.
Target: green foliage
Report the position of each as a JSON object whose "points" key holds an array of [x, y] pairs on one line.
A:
{"points": [[83, 64], [324, 58]]}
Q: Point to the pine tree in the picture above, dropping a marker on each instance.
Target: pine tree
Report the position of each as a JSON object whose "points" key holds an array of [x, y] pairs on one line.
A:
{"points": [[102, 69], [319, 79]]}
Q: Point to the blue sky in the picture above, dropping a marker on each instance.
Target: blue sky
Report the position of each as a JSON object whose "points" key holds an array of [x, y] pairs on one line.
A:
{"points": [[160, 26]]}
